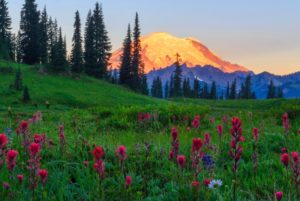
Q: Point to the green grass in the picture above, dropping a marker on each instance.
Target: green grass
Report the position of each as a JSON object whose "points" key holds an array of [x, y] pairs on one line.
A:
{"points": [[95, 112]]}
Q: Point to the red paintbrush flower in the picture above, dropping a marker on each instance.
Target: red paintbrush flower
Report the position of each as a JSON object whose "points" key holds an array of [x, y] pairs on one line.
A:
{"points": [[196, 185], [128, 181], [181, 161], [121, 152], [197, 144], [34, 149], [3, 140], [278, 195], [220, 129], [285, 159], [43, 174], [206, 182], [295, 156], [20, 178], [255, 134], [98, 153], [11, 159]]}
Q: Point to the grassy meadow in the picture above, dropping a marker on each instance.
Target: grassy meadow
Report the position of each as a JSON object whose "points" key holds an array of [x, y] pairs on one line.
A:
{"points": [[96, 113]]}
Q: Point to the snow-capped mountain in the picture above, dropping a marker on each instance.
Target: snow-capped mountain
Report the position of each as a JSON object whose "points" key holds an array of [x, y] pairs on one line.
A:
{"points": [[159, 51]]}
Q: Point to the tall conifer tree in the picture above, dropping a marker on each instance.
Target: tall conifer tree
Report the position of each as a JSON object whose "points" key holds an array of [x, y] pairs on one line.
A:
{"points": [[77, 54], [29, 27]]}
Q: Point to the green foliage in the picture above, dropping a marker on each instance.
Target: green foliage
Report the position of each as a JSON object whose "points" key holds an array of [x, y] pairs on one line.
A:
{"points": [[26, 96]]}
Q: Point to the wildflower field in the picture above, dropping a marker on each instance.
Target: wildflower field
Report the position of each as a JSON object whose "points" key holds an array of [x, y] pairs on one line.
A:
{"points": [[123, 146]]}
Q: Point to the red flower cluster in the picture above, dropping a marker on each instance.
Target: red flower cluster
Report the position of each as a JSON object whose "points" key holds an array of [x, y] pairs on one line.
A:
{"points": [[236, 149], [11, 159], [121, 152], [255, 134], [220, 129], [34, 164], [175, 144], [207, 182], [99, 163], [20, 178], [196, 122], [294, 164], [196, 155], [278, 195], [143, 118], [3, 140], [196, 185], [181, 161], [43, 174], [207, 140], [285, 122], [39, 139], [128, 181], [62, 137], [285, 159]]}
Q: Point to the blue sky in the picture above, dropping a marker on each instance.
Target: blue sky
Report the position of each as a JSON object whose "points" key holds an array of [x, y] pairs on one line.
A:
{"points": [[263, 35]]}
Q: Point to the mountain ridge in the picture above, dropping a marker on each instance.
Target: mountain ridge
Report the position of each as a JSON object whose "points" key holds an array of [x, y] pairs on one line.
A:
{"points": [[159, 50]]}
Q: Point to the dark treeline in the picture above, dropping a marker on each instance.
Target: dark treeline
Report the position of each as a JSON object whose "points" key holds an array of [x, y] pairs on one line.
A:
{"points": [[178, 86], [40, 41]]}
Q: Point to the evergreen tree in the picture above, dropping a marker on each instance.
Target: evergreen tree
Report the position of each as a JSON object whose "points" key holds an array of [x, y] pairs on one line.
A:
{"points": [[248, 88], [29, 27], [233, 90], [137, 63], [59, 62], [171, 89], [144, 86], [227, 91], [77, 54], [5, 34], [44, 40], [167, 93], [177, 91], [271, 90], [125, 68], [186, 88], [102, 45], [196, 88], [156, 89], [18, 48], [26, 96], [205, 93], [18, 83], [53, 38], [213, 91], [280, 92], [90, 52]]}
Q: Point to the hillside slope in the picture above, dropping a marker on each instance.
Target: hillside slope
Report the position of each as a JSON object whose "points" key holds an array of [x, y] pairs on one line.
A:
{"points": [[61, 90]]}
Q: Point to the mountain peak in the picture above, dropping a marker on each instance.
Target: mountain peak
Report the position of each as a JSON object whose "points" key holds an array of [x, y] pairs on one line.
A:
{"points": [[159, 50]]}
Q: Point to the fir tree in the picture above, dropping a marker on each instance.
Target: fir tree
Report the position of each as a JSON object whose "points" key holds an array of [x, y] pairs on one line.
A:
{"points": [[280, 92], [102, 46], [177, 91], [5, 34], [26, 96], [213, 91], [137, 63], [77, 54], [144, 86], [233, 90], [271, 90], [90, 52], [166, 92], [125, 68], [196, 89], [18, 83], [29, 27], [227, 91], [59, 62], [44, 40], [205, 93], [156, 89]]}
